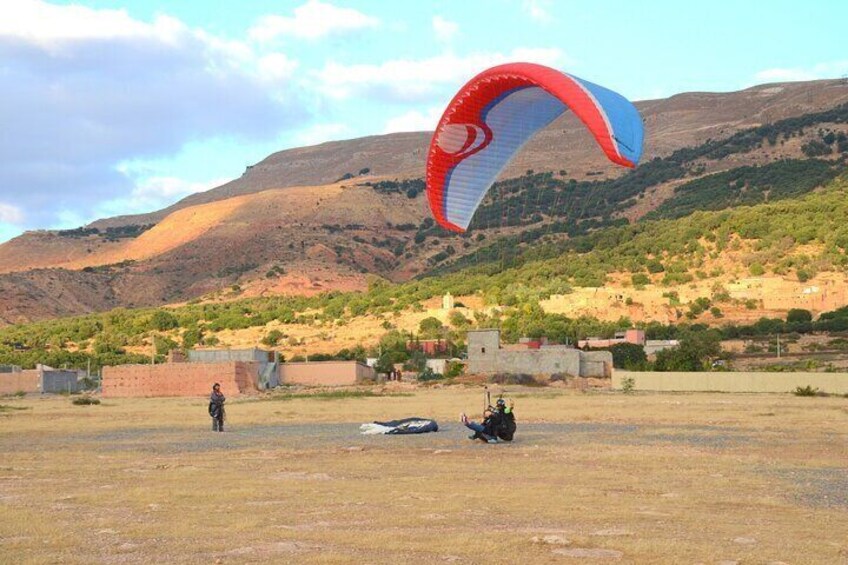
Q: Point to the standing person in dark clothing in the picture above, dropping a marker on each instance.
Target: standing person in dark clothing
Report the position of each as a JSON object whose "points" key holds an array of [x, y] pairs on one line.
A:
{"points": [[216, 408]]}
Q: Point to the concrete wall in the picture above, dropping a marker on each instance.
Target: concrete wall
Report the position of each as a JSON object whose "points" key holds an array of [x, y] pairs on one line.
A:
{"points": [[595, 364], [57, 380], [267, 372], [326, 373], [834, 383], [531, 361], [179, 379], [23, 381], [654, 346], [39, 380], [437, 365], [220, 355], [486, 356]]}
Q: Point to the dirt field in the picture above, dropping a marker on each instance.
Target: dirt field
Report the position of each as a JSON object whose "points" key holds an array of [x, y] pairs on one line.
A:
{"points": [[596, 477]]}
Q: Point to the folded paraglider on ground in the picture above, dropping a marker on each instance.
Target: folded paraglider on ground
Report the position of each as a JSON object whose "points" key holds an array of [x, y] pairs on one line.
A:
{"points": [[404, 426]]}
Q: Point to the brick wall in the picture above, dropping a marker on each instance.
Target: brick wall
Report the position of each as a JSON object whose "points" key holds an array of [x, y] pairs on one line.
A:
{"points": [[26, 381], [179, 379], [325, 373]]}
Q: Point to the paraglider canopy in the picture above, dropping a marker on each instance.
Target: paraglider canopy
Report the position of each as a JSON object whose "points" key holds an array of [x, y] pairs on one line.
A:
{"points": [[497, 112]]}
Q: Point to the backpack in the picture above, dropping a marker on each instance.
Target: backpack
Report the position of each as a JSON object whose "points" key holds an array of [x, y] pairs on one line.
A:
{"points": [[506, 429]]}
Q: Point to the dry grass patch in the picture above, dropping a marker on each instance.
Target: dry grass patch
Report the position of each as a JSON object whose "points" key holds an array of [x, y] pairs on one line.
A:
{"points": [[641, 478]]}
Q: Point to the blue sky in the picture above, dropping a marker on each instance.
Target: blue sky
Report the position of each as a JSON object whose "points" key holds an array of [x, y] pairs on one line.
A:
{"points": [[115, 107]]}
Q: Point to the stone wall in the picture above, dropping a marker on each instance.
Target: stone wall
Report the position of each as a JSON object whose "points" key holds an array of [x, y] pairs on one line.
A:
{"points": [[179, 379], [834, 383], [326, 373]]}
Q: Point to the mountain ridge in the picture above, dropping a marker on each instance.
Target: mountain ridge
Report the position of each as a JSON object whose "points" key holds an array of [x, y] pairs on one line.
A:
{"points": [[311, 239], [327, 162]]}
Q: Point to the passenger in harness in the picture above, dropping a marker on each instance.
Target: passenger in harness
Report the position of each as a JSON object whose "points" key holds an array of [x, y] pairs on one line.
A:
{"points": [[498, 423]]}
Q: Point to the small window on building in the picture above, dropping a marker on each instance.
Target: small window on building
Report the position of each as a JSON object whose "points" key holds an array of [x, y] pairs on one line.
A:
{"points": [[482, 350]]}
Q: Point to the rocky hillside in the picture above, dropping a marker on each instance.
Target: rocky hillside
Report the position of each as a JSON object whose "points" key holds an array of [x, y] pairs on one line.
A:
{"points": [[286, 226]]}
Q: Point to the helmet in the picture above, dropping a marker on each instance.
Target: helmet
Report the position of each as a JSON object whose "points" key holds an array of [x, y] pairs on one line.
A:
{"points": [[501, 402]]}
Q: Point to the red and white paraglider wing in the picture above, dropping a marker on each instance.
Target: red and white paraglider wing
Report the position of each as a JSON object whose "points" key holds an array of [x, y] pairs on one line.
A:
{"points": [[497, 112]]}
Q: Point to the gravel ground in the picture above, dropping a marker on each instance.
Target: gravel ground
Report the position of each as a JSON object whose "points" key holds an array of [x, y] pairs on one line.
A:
{"points": [[820, 487], [815, 487], [342, 435]]}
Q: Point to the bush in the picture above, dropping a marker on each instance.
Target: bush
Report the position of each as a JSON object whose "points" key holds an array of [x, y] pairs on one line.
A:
{"points": [[640, 279], [627, 385], [273, 338], [798, 315], [454, 369], [429, 375], [513, 379], [655, 266], [85, 401], [805, 391]]}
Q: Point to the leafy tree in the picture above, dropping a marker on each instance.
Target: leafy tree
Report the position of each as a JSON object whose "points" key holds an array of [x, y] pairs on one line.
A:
{"points": [[417, 362], [431, 328], [163, 344], [628, 356], [107, 343], [694, 353], [162, 320], [798, 315], [458, 320], [385, 363], [272, 338], [192, 336]]}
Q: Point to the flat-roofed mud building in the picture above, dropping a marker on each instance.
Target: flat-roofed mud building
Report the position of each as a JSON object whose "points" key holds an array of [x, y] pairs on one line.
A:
{"points": [[487, 355]]}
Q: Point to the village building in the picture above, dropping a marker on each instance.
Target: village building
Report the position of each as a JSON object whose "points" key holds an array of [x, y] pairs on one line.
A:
{"points": [[654, 346], [429, 347], [487, 355], [634, 336]]}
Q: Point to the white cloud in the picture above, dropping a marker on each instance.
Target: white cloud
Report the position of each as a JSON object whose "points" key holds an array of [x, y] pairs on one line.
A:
{"points": [[407, 81], [276, 67], [11, 214], [414, 120], [171, 188], [833, 69], [34, 21], [82, 90], [445, 30], [538, 10], [319, 133], [150, 193], [312, 20]]}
